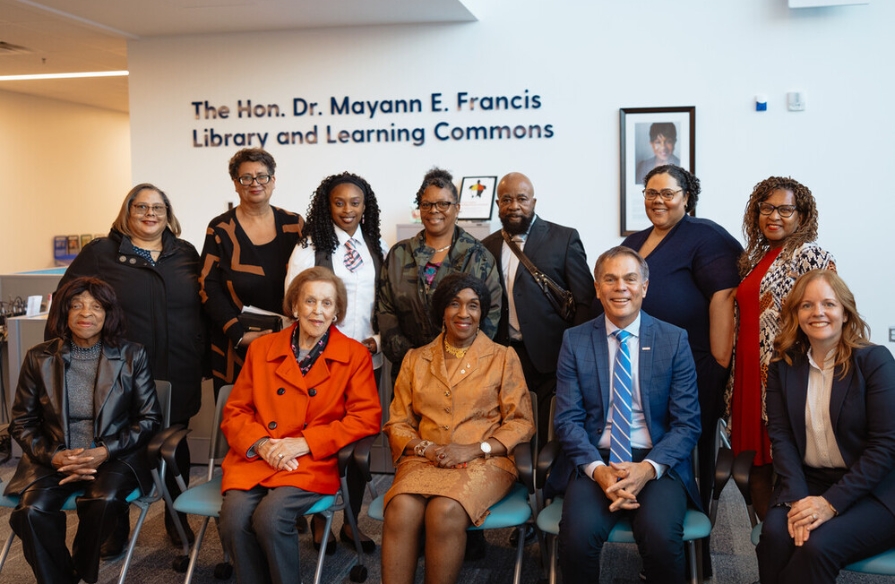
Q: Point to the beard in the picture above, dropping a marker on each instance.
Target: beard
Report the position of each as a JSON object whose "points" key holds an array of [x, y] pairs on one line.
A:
{"points": [[517, 228]]}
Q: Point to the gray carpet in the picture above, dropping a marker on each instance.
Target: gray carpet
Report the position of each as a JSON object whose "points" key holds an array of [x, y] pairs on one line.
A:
{"points": [[733, 556]]}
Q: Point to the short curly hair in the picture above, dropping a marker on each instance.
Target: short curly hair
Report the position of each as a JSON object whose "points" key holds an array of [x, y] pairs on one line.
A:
{"points": [[319, 223], [114, 324], [757, 244], [251, 155], [448, 289], [688, 182], [437, 177]]}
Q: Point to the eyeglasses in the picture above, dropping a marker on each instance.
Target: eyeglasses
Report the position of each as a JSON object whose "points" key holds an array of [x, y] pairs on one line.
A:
{"points": [[142, 209], [785, 211], [667, 194], [247, 179], [442, 205]]}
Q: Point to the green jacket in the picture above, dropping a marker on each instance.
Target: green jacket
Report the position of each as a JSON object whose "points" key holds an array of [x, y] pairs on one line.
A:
{"points": [[405, 303]]}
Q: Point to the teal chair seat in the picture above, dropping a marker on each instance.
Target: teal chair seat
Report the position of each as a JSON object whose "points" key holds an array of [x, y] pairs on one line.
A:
{"points": [[205, 500], [511, 511], [882, 564]]}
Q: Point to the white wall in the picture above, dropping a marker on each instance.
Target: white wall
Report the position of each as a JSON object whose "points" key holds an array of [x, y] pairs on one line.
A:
{"points": [[586, 59], [65, 169]]}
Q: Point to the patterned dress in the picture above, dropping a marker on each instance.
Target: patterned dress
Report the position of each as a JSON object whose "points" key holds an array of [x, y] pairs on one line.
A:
{"points": [[486, 397], [760, 300], [235, 273]]}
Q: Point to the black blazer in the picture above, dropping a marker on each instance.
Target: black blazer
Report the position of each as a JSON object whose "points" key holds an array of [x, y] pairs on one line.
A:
{"points": [[127, 410], [862, 411], [558, 252]]}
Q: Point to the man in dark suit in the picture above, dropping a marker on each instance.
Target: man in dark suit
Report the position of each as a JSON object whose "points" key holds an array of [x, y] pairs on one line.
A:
{"points": [[637, 398], [528, 322]]}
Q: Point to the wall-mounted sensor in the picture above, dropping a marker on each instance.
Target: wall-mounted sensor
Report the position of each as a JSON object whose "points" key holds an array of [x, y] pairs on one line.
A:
{"points": [[761, 103], [795, 101]]}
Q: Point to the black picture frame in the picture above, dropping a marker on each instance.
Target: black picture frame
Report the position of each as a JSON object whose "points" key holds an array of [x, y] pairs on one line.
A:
{"points": [[639, 156], [477, 194]]}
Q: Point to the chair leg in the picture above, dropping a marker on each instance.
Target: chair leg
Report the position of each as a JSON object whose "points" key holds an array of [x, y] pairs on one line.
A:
{"points": [[553, 552], [194, 554], [695, 566], [520, 549], [6, 547], [318, 573], [144, 509]]}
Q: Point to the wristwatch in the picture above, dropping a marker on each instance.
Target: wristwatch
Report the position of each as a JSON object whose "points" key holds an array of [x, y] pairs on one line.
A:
{"points": [[420, 448], [486, 448]]}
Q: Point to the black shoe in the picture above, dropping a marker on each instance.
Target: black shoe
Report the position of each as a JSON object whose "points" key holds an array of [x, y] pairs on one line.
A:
{"points": [[476, 547], [367, 545], [114, 546], [530, 535], [330, 541], [173, 535]]}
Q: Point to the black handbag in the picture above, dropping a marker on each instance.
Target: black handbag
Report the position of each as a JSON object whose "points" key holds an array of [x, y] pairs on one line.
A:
{"points": [[253, 322], [559, 298]]}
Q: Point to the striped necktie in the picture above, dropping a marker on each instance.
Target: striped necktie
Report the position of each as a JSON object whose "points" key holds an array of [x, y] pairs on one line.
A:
{"points": [[620, 447], [352, 260]]}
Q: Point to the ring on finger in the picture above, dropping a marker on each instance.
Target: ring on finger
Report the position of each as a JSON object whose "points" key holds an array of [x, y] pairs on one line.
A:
{"points": [[281, 456], [814, 517]]}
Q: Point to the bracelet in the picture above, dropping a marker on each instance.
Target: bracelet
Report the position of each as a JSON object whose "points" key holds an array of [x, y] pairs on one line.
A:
{"points": [[239, 342], [833, 509], [420, 448]]}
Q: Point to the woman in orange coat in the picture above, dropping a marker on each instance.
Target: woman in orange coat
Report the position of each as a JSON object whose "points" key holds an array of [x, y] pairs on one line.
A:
{"points": [[303, 394]]}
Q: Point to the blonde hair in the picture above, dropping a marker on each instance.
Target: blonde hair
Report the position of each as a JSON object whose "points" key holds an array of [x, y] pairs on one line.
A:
{"points": [[792, 340], [121, 223]]}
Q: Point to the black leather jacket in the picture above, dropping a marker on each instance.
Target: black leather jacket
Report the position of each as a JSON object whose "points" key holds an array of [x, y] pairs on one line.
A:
{"points": [[127, 410]]}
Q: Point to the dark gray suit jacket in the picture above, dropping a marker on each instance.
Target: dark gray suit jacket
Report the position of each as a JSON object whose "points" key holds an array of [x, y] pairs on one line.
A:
{"points": [[557, 251]]}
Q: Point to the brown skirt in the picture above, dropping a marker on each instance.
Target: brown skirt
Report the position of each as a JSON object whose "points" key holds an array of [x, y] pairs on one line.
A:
{"points": [[478, 486]]}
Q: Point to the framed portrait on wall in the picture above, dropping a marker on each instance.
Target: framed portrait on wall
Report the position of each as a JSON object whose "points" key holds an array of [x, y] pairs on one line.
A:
{"points": [[477, 198], [651, 137]]}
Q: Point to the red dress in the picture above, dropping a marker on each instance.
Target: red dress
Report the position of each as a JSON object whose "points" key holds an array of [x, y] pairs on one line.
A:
{"points": [[748, 430]]}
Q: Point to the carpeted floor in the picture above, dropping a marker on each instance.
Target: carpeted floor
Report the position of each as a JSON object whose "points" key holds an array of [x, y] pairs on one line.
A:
{"points": [[733, 556]]}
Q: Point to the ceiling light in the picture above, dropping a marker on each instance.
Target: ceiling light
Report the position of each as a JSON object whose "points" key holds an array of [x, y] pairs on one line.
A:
{"points": [[63, 75]]}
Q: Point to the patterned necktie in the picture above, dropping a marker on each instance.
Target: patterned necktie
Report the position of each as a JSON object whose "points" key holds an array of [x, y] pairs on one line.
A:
{"points": [[352, 260], [620, 447], [512, 267]]}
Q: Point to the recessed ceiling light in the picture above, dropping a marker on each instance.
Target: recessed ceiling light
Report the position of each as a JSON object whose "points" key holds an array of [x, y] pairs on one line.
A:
{"points": [[76, 75]]}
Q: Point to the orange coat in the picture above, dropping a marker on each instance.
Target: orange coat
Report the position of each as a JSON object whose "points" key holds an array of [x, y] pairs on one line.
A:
{"points": [[334, 405]]}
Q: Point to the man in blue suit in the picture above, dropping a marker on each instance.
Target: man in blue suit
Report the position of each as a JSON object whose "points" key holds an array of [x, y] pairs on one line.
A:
{"points": [[650, 379]]}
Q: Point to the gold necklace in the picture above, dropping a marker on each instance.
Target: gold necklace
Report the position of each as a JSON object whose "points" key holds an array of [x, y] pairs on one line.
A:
{"points": [[460, 352]]}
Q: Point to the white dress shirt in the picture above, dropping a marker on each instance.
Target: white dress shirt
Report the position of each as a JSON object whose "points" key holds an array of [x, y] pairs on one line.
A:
{"points": [[509, 265], [640, 437], [359, 284]]}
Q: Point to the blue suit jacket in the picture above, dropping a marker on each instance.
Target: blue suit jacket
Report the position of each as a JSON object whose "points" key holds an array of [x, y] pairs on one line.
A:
{"points": [[667, 389], [862, 412]]}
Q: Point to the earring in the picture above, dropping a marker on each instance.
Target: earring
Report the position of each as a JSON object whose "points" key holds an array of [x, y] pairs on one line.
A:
{"points": [[295, 316]]}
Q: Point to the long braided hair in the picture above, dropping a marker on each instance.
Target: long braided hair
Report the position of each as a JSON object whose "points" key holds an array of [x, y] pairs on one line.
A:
{"points": [[319, 224], [756, 243]]}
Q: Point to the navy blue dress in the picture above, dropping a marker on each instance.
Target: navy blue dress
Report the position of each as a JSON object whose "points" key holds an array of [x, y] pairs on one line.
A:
{"points": [[696, 258]]}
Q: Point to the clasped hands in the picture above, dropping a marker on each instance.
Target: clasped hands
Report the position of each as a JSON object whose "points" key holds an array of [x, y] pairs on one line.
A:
{"points": [[79, 464], [622, 481], [453, 455], [807, 515], [283, 453]]}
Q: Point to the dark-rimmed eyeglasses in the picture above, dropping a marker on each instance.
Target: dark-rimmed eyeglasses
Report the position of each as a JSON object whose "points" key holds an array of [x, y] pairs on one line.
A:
{"points": [[785, 211], [247, 179], [441, 205], [666, 194], [143, 209]]}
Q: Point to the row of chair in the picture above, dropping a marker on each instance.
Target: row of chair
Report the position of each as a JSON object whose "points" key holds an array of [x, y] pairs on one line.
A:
{"points": [[522, 506]]}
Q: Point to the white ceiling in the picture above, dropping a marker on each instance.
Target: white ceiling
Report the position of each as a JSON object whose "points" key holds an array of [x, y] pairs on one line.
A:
{"points": [[61, 36]]}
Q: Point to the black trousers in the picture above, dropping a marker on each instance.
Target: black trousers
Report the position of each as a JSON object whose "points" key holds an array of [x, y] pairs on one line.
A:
{"points": [[40, 523], [543, 384], [863, 530]]}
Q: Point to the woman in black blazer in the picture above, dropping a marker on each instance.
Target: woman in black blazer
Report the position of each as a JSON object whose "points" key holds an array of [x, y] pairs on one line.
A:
{"points": [[831, 421]]}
